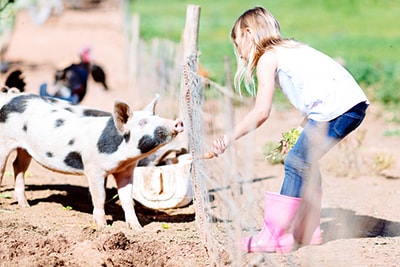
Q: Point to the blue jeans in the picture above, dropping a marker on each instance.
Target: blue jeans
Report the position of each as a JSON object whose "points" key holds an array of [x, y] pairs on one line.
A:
{"points": [[317, 138]]}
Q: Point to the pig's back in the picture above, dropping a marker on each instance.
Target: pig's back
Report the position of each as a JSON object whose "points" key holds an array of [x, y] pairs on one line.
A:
{"points": [[55, 137]]}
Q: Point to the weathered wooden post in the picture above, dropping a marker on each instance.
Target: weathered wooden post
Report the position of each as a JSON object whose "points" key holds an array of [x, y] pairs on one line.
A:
{"points": [[191, 111], [191, 31], [134, 52]]}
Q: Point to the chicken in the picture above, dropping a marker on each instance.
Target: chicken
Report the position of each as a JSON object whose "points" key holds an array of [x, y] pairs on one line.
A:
{"points": [[98, 75], [71, 82], [15, 79]]}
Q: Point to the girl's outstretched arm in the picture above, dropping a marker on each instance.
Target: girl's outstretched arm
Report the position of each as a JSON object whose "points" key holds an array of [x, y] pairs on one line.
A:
{"points": [[265, 72]]}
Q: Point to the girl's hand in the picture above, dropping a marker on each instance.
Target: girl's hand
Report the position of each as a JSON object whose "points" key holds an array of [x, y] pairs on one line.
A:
{"points": [[220, 144]]}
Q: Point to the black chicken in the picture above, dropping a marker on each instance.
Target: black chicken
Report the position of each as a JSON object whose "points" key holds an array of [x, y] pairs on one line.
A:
{"points": [[15, 79], [71, 82]]}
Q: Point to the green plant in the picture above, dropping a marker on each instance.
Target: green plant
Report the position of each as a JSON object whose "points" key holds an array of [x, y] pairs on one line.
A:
{"points": [[112, 199], [276, 153], [395, 132], [383, 161], [5, 195]]}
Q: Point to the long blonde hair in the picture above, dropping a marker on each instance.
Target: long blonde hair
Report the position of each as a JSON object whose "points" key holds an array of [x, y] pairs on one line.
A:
{"points": [[266, 32]]}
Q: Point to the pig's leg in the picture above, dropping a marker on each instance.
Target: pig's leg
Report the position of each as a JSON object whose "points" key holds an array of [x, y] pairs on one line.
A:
{"points": [[124, 182], [3, 161], [6, 149], [20, 166], [98, 194]]}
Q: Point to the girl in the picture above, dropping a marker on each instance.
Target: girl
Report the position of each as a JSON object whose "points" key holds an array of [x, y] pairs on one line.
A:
{"points": [[333, 106]]}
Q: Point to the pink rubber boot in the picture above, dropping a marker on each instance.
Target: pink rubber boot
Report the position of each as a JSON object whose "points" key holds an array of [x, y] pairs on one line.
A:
{"points": [[275, 235]]}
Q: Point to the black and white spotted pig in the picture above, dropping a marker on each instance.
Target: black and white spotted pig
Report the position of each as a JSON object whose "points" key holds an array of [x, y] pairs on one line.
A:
{"points": [[76, 140]]}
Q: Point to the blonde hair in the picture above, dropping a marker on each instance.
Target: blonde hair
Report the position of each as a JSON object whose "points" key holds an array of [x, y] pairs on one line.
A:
{"points": [[266, 35]]}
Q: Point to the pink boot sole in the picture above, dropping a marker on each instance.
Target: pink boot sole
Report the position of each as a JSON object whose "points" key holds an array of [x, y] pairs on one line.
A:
{"points": [[283, 245], [317, 237]]}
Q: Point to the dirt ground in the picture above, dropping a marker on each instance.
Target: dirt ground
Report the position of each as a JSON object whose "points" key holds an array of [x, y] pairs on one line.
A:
{"points": [[360, 216]]}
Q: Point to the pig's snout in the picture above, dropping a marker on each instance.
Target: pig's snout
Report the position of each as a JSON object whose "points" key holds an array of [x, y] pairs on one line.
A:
{"points": [[162, 134], [178, 126]]}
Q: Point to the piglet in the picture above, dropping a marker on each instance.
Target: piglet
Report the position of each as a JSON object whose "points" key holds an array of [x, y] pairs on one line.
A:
{"points": [[78, 140]]}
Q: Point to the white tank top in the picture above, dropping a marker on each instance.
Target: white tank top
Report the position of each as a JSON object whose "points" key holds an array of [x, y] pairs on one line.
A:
{"points": [[316, 84]]}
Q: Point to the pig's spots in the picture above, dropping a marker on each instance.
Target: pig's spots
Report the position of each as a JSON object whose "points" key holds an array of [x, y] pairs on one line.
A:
{"points": [[69, 109], [127, 137], [95, 113], [59, 122], [161, 134], [25, 128], [110, 139], [49, 154], [148, 143], [50, 100], [17, 105], [71, 142], [74, 160]]}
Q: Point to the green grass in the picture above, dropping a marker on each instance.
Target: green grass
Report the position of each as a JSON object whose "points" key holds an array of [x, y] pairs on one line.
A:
{"points": [[365, 33]]}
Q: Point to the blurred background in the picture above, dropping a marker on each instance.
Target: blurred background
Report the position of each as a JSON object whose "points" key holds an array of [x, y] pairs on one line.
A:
{"points": [[362, 34]]}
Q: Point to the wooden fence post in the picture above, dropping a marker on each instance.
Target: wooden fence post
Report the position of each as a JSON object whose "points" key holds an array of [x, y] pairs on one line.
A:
{"points": [[191, 112], [191, 31], [134, 53]]}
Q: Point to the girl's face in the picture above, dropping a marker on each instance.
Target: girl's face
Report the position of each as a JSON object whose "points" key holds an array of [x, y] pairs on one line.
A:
{"points": [[243, 43]]}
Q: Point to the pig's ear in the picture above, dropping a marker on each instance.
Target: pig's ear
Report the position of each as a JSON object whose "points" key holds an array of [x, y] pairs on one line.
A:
{"points": [[152, 106], [122, 113]]}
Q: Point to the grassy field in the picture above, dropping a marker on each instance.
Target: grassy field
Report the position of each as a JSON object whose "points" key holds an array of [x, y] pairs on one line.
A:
{"points": [[364, 33]]}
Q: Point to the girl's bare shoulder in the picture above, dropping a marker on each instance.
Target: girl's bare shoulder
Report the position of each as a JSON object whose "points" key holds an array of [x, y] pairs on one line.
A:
{"points": [[269, 58]]}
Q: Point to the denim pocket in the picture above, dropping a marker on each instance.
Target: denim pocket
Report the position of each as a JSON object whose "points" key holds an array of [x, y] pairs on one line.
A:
{"points": [[348, 122]]}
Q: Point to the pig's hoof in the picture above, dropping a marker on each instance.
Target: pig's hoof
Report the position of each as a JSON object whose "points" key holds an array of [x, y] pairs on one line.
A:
{"points": [[101, 223], [135, 227], [23, 204], [96, 226]]}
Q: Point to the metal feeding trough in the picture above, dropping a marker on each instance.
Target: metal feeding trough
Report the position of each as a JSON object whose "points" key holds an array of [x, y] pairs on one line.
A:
{"points": [[164, 187]]}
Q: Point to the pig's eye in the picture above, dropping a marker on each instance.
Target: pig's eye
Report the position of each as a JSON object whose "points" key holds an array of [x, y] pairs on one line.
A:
{"points": [[143, 122]]}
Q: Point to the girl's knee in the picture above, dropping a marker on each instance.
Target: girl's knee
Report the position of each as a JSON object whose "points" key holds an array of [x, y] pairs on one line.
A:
{"points": [[294, 161]]}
